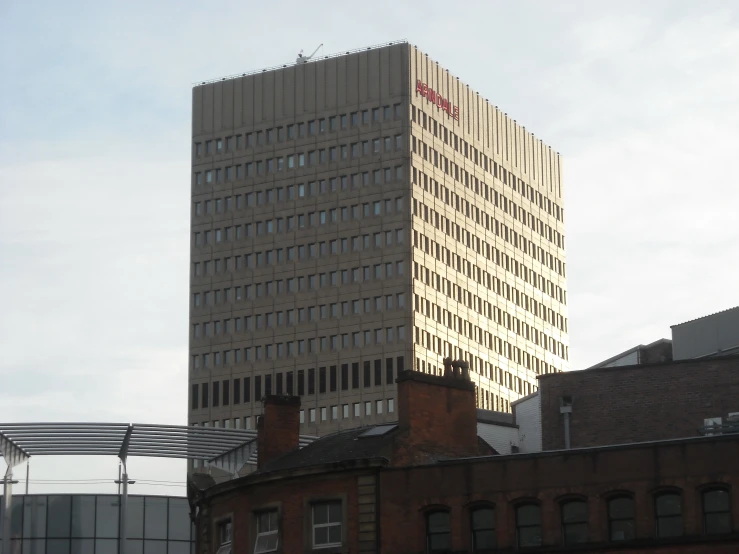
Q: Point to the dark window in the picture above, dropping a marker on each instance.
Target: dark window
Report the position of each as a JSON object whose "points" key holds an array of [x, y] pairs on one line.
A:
{"points": [[668, 515], [204, 395], [301, 382], [621, 518], [378, 373], [344, 376], [257, 388], [401, 367], [312, 381], [528, 525], [389, 371], [267, 385], [482, 523], [355, 375], [332, 379], [321, 380], [716, 511], [216, 393], [367, 374], [327, 523], [226, 393], [438, 535], [289, 382], [278, 383], [237, 391], [247, 390], [575, 522], [195, 397]]}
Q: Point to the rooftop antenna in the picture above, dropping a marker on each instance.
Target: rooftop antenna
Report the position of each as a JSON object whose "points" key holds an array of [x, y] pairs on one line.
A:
{"points": [[306, 59]]}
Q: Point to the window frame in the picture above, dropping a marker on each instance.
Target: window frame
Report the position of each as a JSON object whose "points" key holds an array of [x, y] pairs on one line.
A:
{"points": [[657, 518], [473, 530], [517, 507], [257, 534], [224, 547], [428, 513], [565, 524], [611, 519], [708, 490], [311, 526]]}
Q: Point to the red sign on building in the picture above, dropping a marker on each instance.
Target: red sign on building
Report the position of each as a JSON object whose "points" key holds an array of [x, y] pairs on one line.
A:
{"points": [[435, 98]]}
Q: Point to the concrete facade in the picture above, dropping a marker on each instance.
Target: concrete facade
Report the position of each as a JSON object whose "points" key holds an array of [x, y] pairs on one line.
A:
{"points": [[345, 228]]}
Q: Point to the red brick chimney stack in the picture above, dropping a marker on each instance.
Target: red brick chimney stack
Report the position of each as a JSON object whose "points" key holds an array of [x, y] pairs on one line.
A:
{"points": [[278, 429], [436, 415]]}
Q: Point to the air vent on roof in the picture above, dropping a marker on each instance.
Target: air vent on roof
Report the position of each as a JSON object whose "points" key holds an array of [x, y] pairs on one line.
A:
{"points": [[377, 431]]}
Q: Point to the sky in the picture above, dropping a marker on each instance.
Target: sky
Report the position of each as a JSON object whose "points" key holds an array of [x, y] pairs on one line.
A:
{"points": [[640, 98]]}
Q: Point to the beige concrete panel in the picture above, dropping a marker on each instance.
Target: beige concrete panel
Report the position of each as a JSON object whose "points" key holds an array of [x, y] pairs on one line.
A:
{"points": [[218, 106], [227, 111], [197, 110], [380, 88], [361, 85], [300, 80], [331, 85], [258, 105], [341, 80], [278, 94], [208, 92], [313, 87], [248, 100], [289, 92], [372, 87], [238, 98], [268, 96]]}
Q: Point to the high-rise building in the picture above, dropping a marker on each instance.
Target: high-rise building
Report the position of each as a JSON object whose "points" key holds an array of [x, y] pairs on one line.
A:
{"points": [[361, 214]]}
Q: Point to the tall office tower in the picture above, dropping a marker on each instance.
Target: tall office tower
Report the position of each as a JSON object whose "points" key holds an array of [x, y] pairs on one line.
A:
{"points": [[361, 214]]}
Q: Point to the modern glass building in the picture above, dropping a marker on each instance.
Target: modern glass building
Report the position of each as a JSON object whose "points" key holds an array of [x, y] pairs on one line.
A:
{"points": [[89, 524]]}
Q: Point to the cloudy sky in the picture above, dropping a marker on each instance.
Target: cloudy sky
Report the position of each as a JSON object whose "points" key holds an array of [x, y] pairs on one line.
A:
{"points": [[641, 98]]}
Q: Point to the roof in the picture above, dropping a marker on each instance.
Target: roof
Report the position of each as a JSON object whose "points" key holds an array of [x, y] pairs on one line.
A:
{"points": [[604, 363], [494, 418], [705, 316], [342, 446]]}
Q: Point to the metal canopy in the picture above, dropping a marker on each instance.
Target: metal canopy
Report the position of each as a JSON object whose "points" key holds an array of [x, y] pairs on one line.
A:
{"points": [[19, 441]]}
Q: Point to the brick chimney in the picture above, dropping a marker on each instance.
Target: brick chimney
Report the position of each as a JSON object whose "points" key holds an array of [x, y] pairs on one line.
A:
{"points": [[437, 416], [278, 428]]}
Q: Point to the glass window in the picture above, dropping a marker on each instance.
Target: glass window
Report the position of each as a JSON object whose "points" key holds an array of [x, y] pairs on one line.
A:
{"points": [[621, 518], [60, 511], [156, 518], [482, 524], [34, 516], [528, 525], [327, 524], [267, 532], [668, 515], [438, 535], [83, 516], [106, 524], [179, 513], [575, 522], [716, 511], [135, 517], [224, 537]]}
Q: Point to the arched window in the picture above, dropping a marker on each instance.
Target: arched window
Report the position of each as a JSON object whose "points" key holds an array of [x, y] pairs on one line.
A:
{"points": [[438, 535], [716, 511], [668, 512], [482, 523], [574, 521], [528, 525], [621, 518]]}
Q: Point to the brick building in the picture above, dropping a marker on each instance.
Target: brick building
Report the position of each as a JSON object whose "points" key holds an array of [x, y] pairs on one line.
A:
{"points": [[428, 484]]}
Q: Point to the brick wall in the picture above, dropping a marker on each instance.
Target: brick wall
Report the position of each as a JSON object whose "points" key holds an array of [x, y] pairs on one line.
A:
{"points": [[638, 403]]}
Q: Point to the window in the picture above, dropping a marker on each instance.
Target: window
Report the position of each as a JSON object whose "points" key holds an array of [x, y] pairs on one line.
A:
{"points": [[528, 525], [621, 518], [327, 524], [482, 524], [438, 535], [668, 515], [224, 537], [574, 522], [716, 511], [267, 535]]}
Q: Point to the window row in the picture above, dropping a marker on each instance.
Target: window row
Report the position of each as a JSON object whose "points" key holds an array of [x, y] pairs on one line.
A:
{"points": [[346, 376], [574, 521], [310, 158], [298, 130], [315, 281], [481, 160], [291, 223], [458, 294], [290, 348], [481, 216], [299, 252], [280, 318], [484, 248]]}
